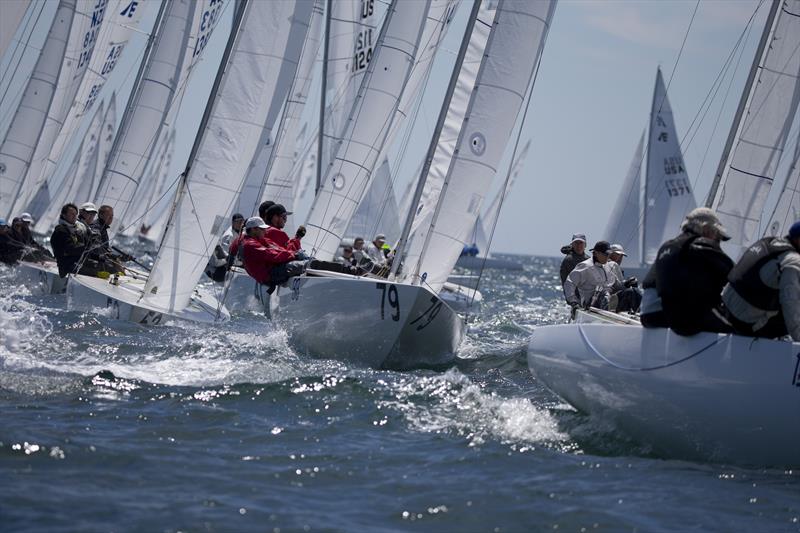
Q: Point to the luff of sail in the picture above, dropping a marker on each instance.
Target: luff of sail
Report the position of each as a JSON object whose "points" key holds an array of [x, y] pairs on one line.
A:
{"points": [[118, 23], [23, 133], [759, 135], [86, 26], [511, 58], [371, 119], [267, 45], [623, 223], [151, 99]]}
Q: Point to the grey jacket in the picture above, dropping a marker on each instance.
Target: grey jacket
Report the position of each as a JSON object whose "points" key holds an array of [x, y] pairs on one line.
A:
{"points": [[587, 278], [782, 273], [570, 262]]}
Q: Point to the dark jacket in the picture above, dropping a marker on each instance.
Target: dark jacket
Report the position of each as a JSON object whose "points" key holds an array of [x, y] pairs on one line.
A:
{"points": [[689, 273], [571, 261], [32, 250], [100, 233], [69, 241], [10, 249]]}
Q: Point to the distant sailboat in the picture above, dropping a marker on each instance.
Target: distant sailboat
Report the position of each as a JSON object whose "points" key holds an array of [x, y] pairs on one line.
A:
{"points": [[649, 211]]}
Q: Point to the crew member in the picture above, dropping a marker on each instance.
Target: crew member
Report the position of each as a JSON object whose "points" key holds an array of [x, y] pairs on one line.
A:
{"points": [[629, 298], [682, 289], [10, 249], [265, 261], [762, 297], [221, 261], [276, 218], [575, 253], [70, 241], [103, 251], [592, 280], [32, 250]]}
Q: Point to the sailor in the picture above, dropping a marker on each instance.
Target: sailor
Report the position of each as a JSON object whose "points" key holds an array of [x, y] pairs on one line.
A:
{"points": [[682, 289], [762, 297], [276, 218], [221, 260], [592, 280], [374, 251], [629, 298], [10, 249], [70, 241], [262, 210], [27, 219], [347, 258], [265, 261], [575, 253], [31, 250], [358, 249], [104, 252]]}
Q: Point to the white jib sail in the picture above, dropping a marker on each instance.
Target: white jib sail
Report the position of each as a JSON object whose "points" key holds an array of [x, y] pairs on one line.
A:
{"points": [[378, 211], [163, 77], [667, 190], [154, 220], [118, 23], [23, 133], [11, 14], [623, 224], [762, 132], [86, 27], [67, 191], [266, 50], [348, 174], [510, 61], [269, 176], [446, 144]]}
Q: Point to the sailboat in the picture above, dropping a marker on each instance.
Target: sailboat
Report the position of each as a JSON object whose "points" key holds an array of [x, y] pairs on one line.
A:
{"points": [[401, 322], [712, 396], [649, 211], [261, 53]]}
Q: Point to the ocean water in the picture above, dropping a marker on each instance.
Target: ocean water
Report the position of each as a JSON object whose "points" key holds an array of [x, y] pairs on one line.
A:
{"points": [[111, 426]]}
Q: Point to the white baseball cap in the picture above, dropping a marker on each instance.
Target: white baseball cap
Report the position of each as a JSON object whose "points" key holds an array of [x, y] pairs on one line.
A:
{"points": [[89, 207], [255, 222], [26, 217]]}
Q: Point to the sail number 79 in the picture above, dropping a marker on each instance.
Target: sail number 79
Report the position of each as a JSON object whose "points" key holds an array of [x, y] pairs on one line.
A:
{"points": [[394, 300]]}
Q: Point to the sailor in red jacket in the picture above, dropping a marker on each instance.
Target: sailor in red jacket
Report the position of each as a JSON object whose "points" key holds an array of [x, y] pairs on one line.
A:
{"points": [[265, 261], [276, 218]]}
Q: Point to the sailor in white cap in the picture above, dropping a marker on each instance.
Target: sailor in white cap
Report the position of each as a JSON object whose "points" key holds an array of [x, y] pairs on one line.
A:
{"points": [[575, 253], [374, 250]]}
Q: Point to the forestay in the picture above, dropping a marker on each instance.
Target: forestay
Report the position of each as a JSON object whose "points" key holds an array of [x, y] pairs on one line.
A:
{"points": [[510, 60], [162, 78], [23, 133], [371, 119], [758, 137], [270, 174], [119, 19], [623, 224], [446, 144], [86, 26], [266, 49]]}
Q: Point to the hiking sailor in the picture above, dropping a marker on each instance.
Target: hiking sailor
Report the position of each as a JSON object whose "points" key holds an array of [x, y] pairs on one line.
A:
{"points": [[32, 250], [276, 218], [682, 289], [591, 281], [221, 261], [10, 249], [265, 261], [374, 251], [575, 253], [629, 298], [762, 297], [70, 241], [104, 252]]}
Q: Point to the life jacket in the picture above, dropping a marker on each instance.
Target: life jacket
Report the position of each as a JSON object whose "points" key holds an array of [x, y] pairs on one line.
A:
{"points": [[745, 278], [671, 276]]}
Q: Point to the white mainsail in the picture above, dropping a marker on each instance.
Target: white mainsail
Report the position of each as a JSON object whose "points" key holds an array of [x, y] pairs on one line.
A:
{"points": [[162, 77], [117, 27], [667, 191], [23, 133], [267, 46], [86, 27], [509, 63], [623, 224], [87, 157], [348, 174], [787, 210], [11, 14], [153, 221], [761, 128], [269, 176], [446, 144]]}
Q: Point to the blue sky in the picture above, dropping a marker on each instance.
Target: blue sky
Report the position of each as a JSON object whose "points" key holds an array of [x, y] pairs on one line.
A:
{"points": [[590, 105]]}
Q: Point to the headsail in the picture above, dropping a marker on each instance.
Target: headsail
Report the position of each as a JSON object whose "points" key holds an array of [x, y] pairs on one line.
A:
{"points": [[264, 48], [23, 133], [624, 225], [13, 13], [761, 129], [787, 210]]}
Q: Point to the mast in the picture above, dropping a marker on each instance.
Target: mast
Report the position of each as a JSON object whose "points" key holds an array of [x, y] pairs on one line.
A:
{"points": [[643, 185], [412, 208], [323, 87], [235, 28], [137, 87], [744, 103]]}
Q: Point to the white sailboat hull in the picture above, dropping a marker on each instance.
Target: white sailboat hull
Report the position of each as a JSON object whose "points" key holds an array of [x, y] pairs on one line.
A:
{"points": [[85, 293], [460, 298], [478, 262], [41, 278], [373, 322], [710, 396]]}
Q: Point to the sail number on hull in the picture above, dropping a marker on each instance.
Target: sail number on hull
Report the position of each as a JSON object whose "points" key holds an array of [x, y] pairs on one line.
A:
{"points": [[394, 300]]}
